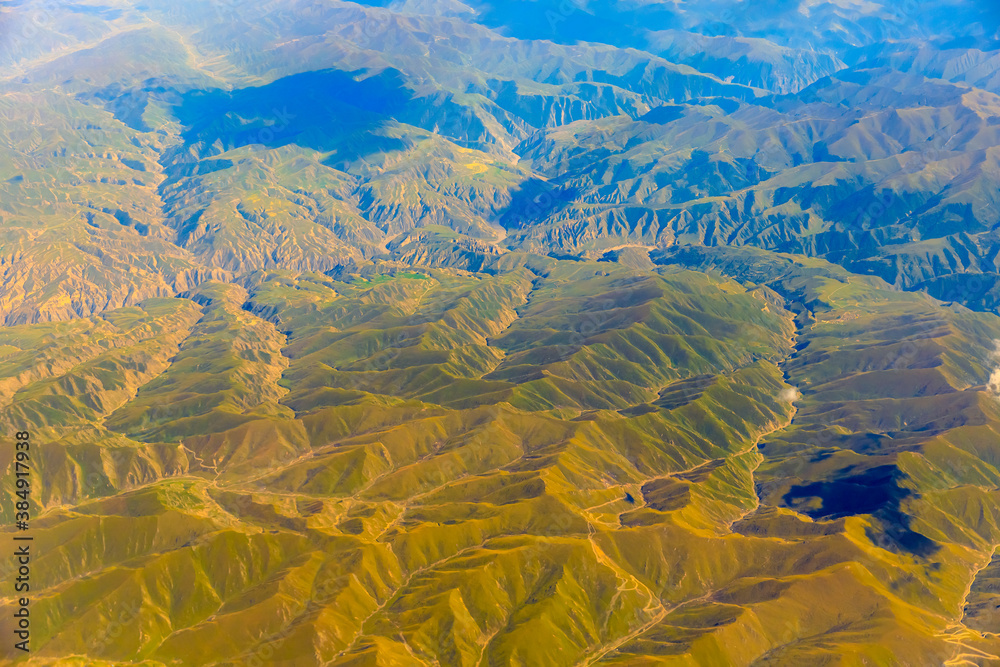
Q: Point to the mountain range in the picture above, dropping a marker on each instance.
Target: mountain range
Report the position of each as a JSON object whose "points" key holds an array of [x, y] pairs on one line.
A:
{"points": [[541, 332]]}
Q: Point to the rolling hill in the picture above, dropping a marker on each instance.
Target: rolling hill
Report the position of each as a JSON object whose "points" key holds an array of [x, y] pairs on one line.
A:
{"points": [[431, 332]]}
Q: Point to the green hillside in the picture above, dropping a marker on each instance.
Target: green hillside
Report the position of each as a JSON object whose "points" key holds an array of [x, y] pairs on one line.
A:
{"points": [[554, 462], [440, 332]]}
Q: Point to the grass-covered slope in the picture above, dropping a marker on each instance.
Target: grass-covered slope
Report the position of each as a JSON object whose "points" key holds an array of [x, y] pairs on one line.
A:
{"points": [[550, 463], [231, 137], [462, 333]]}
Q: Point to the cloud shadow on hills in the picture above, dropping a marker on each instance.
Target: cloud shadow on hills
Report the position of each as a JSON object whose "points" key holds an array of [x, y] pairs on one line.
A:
{"points": [[326, 110], [875, 492], [533, 201]]}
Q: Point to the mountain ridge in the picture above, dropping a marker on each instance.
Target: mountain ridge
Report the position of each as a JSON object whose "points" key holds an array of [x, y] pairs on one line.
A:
{"points": [[430, 332]]}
